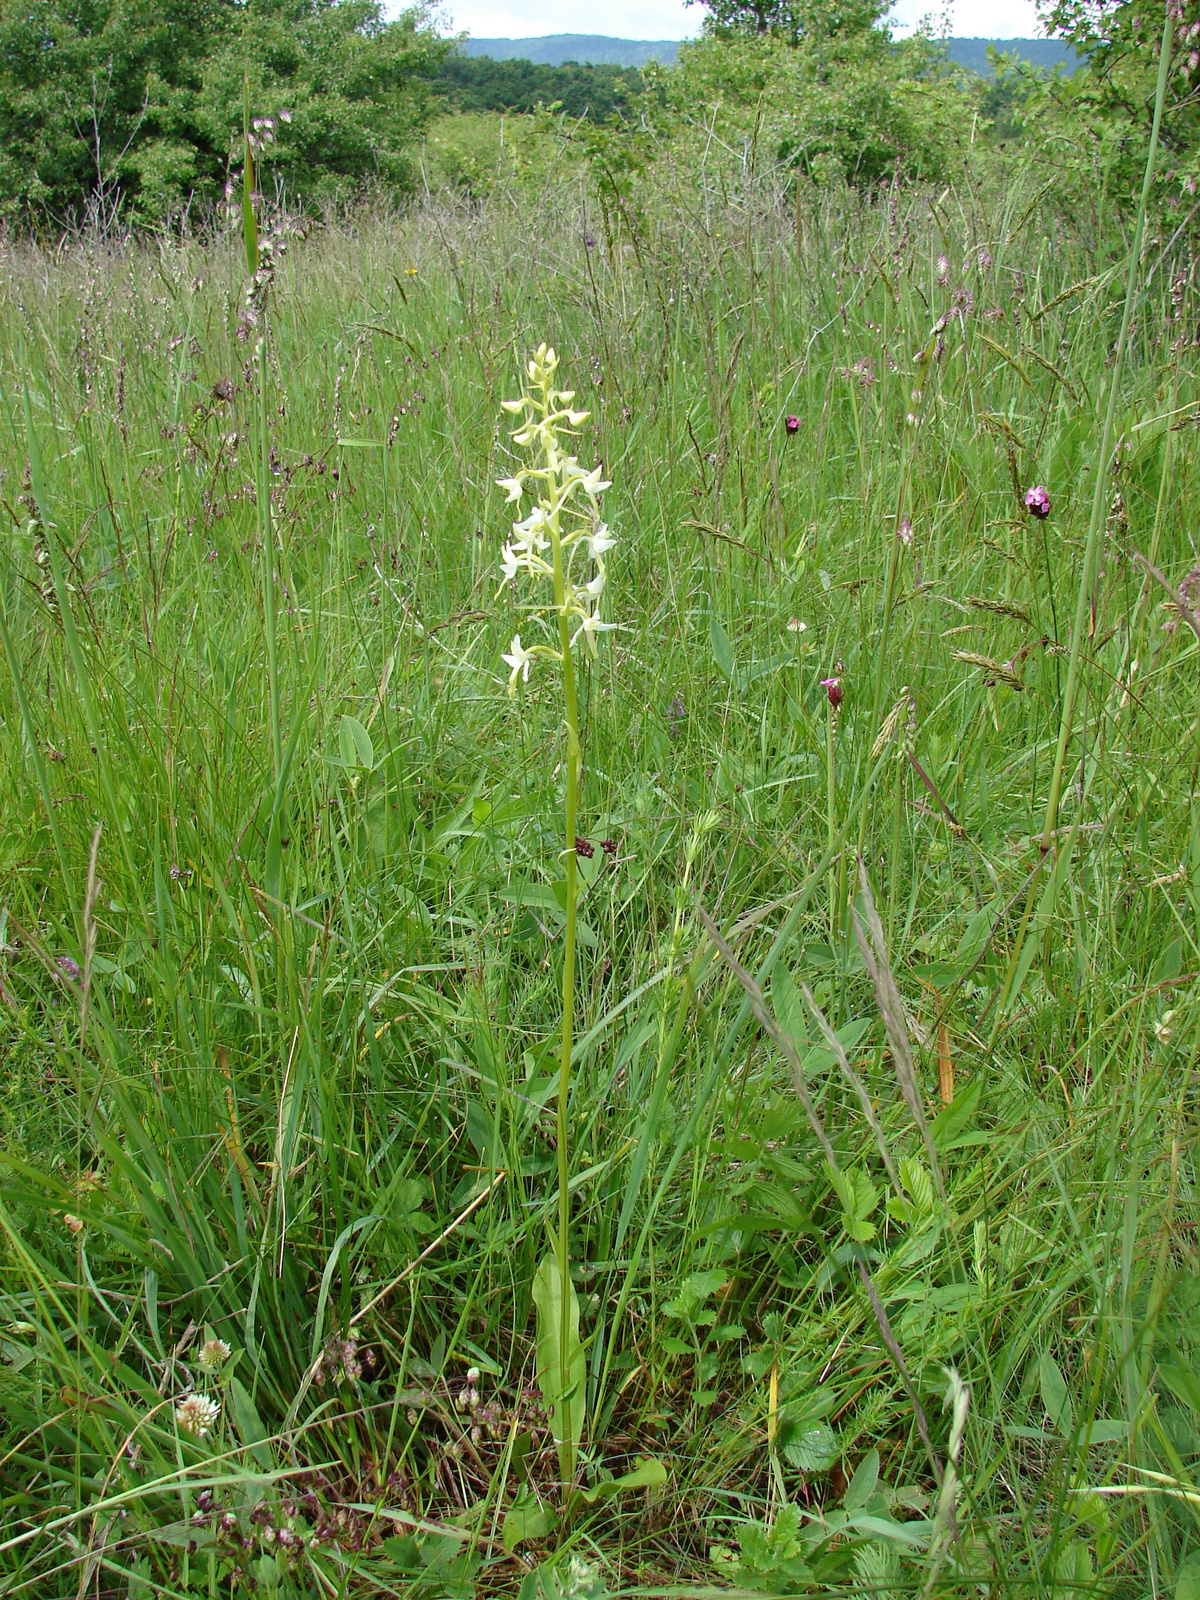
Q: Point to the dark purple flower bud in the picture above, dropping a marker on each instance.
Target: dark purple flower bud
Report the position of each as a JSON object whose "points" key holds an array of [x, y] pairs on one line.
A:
{"points": [[69, 968], [833, 688], [609, 846], [791, 424], [583, 848], [1037, 503]]}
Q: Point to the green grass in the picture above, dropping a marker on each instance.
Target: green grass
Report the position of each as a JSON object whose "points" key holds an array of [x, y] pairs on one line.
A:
{"points": [[317, 1013]]}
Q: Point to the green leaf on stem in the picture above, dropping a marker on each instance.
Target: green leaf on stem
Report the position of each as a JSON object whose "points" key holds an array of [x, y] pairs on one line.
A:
{"points": [[562, 1384]]}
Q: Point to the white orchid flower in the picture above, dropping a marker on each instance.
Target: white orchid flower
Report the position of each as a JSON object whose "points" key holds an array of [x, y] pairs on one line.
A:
{"points": [[520, 660], [589, 628], [600, 541], [514, 488], [528, 535]]}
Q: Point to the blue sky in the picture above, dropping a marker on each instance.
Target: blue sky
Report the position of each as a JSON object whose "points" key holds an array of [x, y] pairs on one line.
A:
{"points": [[671, 19]]}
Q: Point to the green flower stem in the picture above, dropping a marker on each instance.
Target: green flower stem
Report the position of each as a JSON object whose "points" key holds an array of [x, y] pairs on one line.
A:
{"points": [[571, 703], [264, 495], [1084, 597], [835, 910]]}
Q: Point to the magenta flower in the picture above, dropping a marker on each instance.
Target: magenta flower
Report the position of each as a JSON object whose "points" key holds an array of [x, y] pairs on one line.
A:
{"points": [[833, 688], [791, 424], [1037, 503]]}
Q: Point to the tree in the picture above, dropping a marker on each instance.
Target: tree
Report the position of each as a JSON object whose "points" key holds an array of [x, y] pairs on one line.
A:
{"points": [[1095, 126], [142, 99], [796, 22]]}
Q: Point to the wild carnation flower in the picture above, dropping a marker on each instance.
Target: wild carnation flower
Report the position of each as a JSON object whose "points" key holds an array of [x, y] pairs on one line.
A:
{"points": [[197, 1414], [833, 688], [1037, 502], [214, 1353], [791, 424]]}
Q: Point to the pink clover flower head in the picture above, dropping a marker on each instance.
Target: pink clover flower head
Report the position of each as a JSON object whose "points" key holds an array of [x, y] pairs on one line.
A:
{"points": [[833, 688], [1037, 502], [791, 424]]}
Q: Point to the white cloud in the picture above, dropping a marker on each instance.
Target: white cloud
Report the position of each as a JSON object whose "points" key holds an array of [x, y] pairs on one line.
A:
{"points": [[671, 19], [971, 19], [615, 19]]}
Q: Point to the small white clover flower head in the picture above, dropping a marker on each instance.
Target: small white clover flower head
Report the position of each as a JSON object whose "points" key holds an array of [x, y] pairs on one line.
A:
{"points": [[214, 1353], [520, 660], [197, 1414], [796, 626]]}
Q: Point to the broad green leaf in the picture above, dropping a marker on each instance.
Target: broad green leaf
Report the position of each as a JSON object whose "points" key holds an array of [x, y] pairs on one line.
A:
{"points": [[975, 936], [814, 1450], [1168, 964], [249, 1424], [355, 744], [788, 1006], [1107, 1430], [859, 1197], [916, 1180], [1187, 1579], [954, 1118], [1182, 1381], [648, 1474], [562, 1385], [721, 648], [1055, 1396], [526, 1519], [862, 1485]]}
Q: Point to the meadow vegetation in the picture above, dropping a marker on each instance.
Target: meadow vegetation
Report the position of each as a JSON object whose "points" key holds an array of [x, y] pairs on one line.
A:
{"points": [[878, 1105]]}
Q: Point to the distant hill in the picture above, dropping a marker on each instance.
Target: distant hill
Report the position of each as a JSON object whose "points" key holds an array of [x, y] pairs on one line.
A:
{"points": [[558, 48], [1047, 53]]}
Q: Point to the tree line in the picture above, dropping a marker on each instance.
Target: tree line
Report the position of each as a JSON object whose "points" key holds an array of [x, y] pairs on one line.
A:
{"points": [[139, 104]]}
